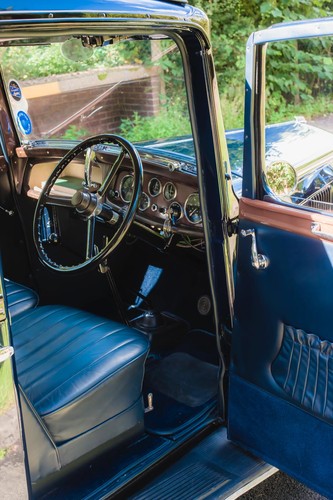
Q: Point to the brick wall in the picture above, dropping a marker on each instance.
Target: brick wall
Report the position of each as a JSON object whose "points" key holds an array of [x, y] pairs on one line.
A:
{"points": [[141, 95]]}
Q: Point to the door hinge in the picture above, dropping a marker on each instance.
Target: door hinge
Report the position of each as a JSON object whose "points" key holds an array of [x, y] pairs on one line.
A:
{"points": [[232, 226]]}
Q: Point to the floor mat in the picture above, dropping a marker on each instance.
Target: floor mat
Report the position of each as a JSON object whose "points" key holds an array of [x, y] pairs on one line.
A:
{"points": [[184, 390], [184, 378]]}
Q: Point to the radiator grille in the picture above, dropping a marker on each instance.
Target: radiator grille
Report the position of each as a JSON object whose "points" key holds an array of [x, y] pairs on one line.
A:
{"points": [[321, 199]]}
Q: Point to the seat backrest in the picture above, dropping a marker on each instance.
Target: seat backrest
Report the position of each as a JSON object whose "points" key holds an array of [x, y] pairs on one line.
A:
{"points": [[19, 298]]}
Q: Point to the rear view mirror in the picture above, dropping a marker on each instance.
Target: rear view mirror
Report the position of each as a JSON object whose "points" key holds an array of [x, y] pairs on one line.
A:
{"points": [[74, 50]]}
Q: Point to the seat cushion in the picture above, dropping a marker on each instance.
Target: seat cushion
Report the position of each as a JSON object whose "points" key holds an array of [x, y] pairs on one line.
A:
{"points": [[77, 369], [19, 298]]}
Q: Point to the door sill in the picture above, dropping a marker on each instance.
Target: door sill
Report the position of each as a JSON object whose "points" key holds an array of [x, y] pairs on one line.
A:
{"points": [[214, 468]]}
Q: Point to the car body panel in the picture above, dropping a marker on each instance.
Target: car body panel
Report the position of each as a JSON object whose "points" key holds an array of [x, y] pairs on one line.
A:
{"points": [[296, 141]]}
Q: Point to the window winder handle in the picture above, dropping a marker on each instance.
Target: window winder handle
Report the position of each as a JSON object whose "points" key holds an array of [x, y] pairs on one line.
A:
{"points": [[258, 260]]}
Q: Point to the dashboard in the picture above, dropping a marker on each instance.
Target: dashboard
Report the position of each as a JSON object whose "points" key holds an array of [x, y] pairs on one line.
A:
{"points": [[169, 201]]}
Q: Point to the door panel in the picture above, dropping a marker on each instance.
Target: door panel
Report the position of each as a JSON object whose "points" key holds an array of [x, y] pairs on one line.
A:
{"points": [[281, 375], [281, 403]]}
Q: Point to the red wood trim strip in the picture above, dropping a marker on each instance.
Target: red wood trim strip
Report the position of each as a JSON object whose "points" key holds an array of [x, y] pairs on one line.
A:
{"points": [[294, 220]]}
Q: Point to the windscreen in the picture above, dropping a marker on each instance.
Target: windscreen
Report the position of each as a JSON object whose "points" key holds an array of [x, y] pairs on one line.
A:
{"points": [[63, 90]]}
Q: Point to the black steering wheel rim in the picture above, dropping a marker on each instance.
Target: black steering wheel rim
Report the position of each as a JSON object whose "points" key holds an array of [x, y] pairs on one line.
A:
{"points": [[127, 149]]}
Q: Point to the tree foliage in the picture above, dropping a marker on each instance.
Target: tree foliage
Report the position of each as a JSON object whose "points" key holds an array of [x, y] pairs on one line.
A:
{"points": [[29, 62], [232, 21], [299, 73]]}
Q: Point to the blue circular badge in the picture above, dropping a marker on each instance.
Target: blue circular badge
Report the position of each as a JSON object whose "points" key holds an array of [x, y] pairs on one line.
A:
{"points": [[24, 122], [15, 90]]}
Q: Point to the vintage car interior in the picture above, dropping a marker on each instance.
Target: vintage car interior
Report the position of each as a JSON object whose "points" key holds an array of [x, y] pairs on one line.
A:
{"points": [[109, 298], [120, 215]]}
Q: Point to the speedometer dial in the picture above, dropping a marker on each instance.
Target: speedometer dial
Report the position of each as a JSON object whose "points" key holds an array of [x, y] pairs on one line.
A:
{"points": [[154, 187], [126, 188], [192, 209]]}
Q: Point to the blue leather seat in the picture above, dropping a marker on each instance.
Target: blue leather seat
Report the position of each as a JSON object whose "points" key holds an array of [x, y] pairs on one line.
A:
{"points": [[81, 380], [19, 298]]}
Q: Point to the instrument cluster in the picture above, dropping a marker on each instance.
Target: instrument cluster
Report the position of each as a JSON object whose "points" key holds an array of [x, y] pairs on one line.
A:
{"points": [[172, 204]]}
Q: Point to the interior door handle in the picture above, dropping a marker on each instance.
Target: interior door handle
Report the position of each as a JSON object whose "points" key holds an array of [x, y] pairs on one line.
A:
{"points": [[258, 260], [316, 229]]}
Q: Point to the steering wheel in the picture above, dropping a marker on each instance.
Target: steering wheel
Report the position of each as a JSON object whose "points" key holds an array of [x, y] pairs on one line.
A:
{"points": [[90, 202]]}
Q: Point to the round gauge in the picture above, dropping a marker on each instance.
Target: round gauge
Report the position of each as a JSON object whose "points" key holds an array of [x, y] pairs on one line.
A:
{"points": [[169, 191], [144, 202], [192, 209], [126, 188], [154, 187], [175, 211]]}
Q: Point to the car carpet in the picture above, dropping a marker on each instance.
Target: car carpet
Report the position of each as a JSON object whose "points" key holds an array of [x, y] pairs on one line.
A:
{"points": [[184, 387]]}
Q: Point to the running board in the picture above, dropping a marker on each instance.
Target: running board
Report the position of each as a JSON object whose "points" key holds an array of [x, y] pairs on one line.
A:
{"points": [[214, 468]]}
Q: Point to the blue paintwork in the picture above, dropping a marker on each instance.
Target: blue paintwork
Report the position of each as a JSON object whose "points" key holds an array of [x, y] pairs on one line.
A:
{"points": [[138, 6], [294, 141]]}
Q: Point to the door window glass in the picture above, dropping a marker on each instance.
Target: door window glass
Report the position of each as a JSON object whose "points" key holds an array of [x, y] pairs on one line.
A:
{"points": [[299, 122]]}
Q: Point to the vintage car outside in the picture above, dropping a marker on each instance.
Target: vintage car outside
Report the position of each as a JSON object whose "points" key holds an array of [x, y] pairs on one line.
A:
{"points": [[169, 327]]}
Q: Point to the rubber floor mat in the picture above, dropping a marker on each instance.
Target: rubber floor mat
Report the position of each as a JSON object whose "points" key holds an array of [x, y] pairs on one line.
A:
{"points": [[184, 378], [184, 390]]}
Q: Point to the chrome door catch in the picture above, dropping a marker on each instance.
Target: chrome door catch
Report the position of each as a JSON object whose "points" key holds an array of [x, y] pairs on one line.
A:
{"points": [[258, 260], [6, 353], [316, 229]]}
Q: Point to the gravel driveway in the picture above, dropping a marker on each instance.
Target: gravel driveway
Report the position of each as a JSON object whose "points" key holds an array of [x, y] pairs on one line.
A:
{"points": [[281, 487]]}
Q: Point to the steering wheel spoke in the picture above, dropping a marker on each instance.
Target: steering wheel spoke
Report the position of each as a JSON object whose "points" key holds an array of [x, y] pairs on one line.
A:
{"points": [[91, 204], [57, 201], [90, 246], [108, 179], [89, 158]]}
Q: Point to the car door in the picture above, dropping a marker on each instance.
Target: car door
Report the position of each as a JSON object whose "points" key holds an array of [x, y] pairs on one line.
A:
{"points": [[281, 377], [13, 473]]}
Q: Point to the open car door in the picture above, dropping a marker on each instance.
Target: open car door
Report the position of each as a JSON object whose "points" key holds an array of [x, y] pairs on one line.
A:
{"points": [[13, 467], [281, 382]]}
